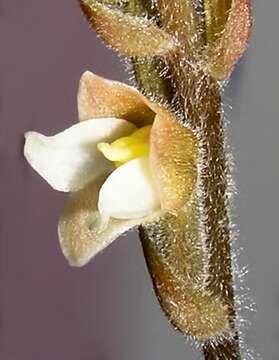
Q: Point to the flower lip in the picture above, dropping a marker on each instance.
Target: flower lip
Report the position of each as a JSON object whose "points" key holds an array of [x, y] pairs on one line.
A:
{"points": [[129, 192]]}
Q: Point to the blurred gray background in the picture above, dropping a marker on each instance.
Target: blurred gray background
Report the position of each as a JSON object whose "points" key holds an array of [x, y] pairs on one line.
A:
{"points": [[107, 310]]}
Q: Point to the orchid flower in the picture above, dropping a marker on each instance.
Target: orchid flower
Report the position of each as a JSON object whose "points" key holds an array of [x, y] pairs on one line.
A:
{"points": [[121, 165]]}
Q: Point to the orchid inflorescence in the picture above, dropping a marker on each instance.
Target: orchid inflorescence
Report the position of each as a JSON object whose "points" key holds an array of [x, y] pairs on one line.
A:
{"points": [[154, 156]]}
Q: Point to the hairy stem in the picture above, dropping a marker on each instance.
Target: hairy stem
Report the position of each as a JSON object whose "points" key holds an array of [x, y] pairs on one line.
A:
{"points": [[218, 228], [200, 101], [216, 201]]}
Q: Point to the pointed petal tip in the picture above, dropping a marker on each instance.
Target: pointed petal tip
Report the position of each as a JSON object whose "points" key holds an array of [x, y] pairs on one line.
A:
{"points": [[26, 147], [33, 140], [30, 135], [36, 153], [27, 134], [87, 74], [73, 260]]}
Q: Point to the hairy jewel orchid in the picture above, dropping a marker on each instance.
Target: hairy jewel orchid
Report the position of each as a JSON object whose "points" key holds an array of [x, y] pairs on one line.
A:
{"points": [[156, 157]]}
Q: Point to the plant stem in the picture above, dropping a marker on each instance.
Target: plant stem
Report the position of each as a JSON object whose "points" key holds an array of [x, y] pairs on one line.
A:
{"points": [[218, 227], [216, 201], [200, 101]]}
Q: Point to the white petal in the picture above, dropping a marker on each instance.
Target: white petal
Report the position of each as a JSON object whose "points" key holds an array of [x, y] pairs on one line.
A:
{"points": [[70, 159], [129, 192]]}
